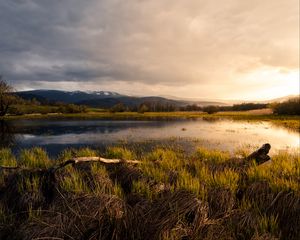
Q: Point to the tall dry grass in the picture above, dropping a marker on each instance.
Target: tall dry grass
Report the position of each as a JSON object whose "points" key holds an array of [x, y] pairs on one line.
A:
{"points": [[170, 195]]}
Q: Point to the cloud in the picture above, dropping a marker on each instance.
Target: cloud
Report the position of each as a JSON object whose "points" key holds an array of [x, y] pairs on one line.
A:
{"points": [[156, 44]]}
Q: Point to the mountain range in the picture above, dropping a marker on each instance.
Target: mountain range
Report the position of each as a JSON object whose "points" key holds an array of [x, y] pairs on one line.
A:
{"points": [[107, 99], [101, 99]]}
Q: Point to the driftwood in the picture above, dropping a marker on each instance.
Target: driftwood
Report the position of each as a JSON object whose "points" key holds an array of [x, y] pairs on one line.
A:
{"points": [[93, 159], [260, 155], [75, 161]]}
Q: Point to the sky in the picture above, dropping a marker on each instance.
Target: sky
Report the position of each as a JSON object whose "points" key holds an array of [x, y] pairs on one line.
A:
{"points": [[206, 49]]}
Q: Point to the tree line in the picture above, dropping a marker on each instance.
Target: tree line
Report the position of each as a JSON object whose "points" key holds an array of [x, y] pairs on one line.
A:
{"points": [[12, 104], [158, 107]]}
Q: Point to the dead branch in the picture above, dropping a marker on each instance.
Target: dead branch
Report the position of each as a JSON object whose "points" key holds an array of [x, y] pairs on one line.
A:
{"points": [[76, 161], [93, 159]]}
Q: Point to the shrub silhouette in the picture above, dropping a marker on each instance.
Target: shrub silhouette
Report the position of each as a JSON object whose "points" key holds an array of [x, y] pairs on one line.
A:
{"points": [[290, 107], [211, 109]]}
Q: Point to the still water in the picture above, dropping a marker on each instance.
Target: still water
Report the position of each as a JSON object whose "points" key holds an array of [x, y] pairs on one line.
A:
{"points": [[56, 135]]}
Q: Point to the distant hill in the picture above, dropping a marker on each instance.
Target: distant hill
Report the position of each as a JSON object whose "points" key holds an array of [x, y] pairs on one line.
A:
{"points": [[65, 96]]}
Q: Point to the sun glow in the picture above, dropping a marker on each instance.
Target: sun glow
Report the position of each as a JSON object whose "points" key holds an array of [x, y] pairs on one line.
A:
{"points": [[272, 83]]}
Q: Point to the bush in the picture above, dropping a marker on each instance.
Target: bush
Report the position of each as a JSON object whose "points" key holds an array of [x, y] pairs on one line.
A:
{"points": [[248, 106], [290, 107], [72, 108], [211, 109], [143, 108], [120, 107]]}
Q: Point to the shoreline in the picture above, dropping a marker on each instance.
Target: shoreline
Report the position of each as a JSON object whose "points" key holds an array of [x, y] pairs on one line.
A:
{"points": [[291, 122]]}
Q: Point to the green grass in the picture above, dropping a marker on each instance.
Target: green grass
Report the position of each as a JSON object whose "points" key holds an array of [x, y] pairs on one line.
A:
{"points": [[214, 157], [268, 224], [282, 174], [34, 158], [74, 182], [7, 158], [227, 179], [119, 153]]}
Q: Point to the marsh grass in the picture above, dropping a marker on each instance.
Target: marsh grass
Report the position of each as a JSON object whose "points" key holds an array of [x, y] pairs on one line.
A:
{"points": [[34, 158], [85, 152], [143, 188], [214, 157], [120, 153], [227, 179], [74, 182], [268, 224], [7, 158], [169, 195]]}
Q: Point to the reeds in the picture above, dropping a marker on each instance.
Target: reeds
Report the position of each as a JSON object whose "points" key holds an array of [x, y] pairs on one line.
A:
{"points": [[7, 158], [34, 158]]}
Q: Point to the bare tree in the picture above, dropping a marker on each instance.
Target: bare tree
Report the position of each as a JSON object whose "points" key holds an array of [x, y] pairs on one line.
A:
{"points": [[6, 97]]}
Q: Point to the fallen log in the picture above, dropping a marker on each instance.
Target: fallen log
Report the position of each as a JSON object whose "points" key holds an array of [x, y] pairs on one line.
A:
{"points": [[75, 161], [260, 156]]}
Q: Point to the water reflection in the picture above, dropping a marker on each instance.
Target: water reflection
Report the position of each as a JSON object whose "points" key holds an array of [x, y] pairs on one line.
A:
{"points": [[55, 128], [57, 135]]}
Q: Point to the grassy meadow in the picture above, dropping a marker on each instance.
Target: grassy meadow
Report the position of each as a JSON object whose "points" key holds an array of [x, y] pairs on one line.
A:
{"points": [[207, 194]]}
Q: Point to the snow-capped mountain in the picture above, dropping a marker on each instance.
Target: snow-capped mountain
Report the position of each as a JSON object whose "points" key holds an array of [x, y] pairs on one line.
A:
{"points": [[66, 96]]}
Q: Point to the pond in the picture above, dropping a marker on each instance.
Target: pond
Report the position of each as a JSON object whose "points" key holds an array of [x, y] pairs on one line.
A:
{"points": [[56, 135]]}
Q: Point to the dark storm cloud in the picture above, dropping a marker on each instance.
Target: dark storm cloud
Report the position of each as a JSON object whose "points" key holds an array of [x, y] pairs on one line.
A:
{"points": [[32, 43]]}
